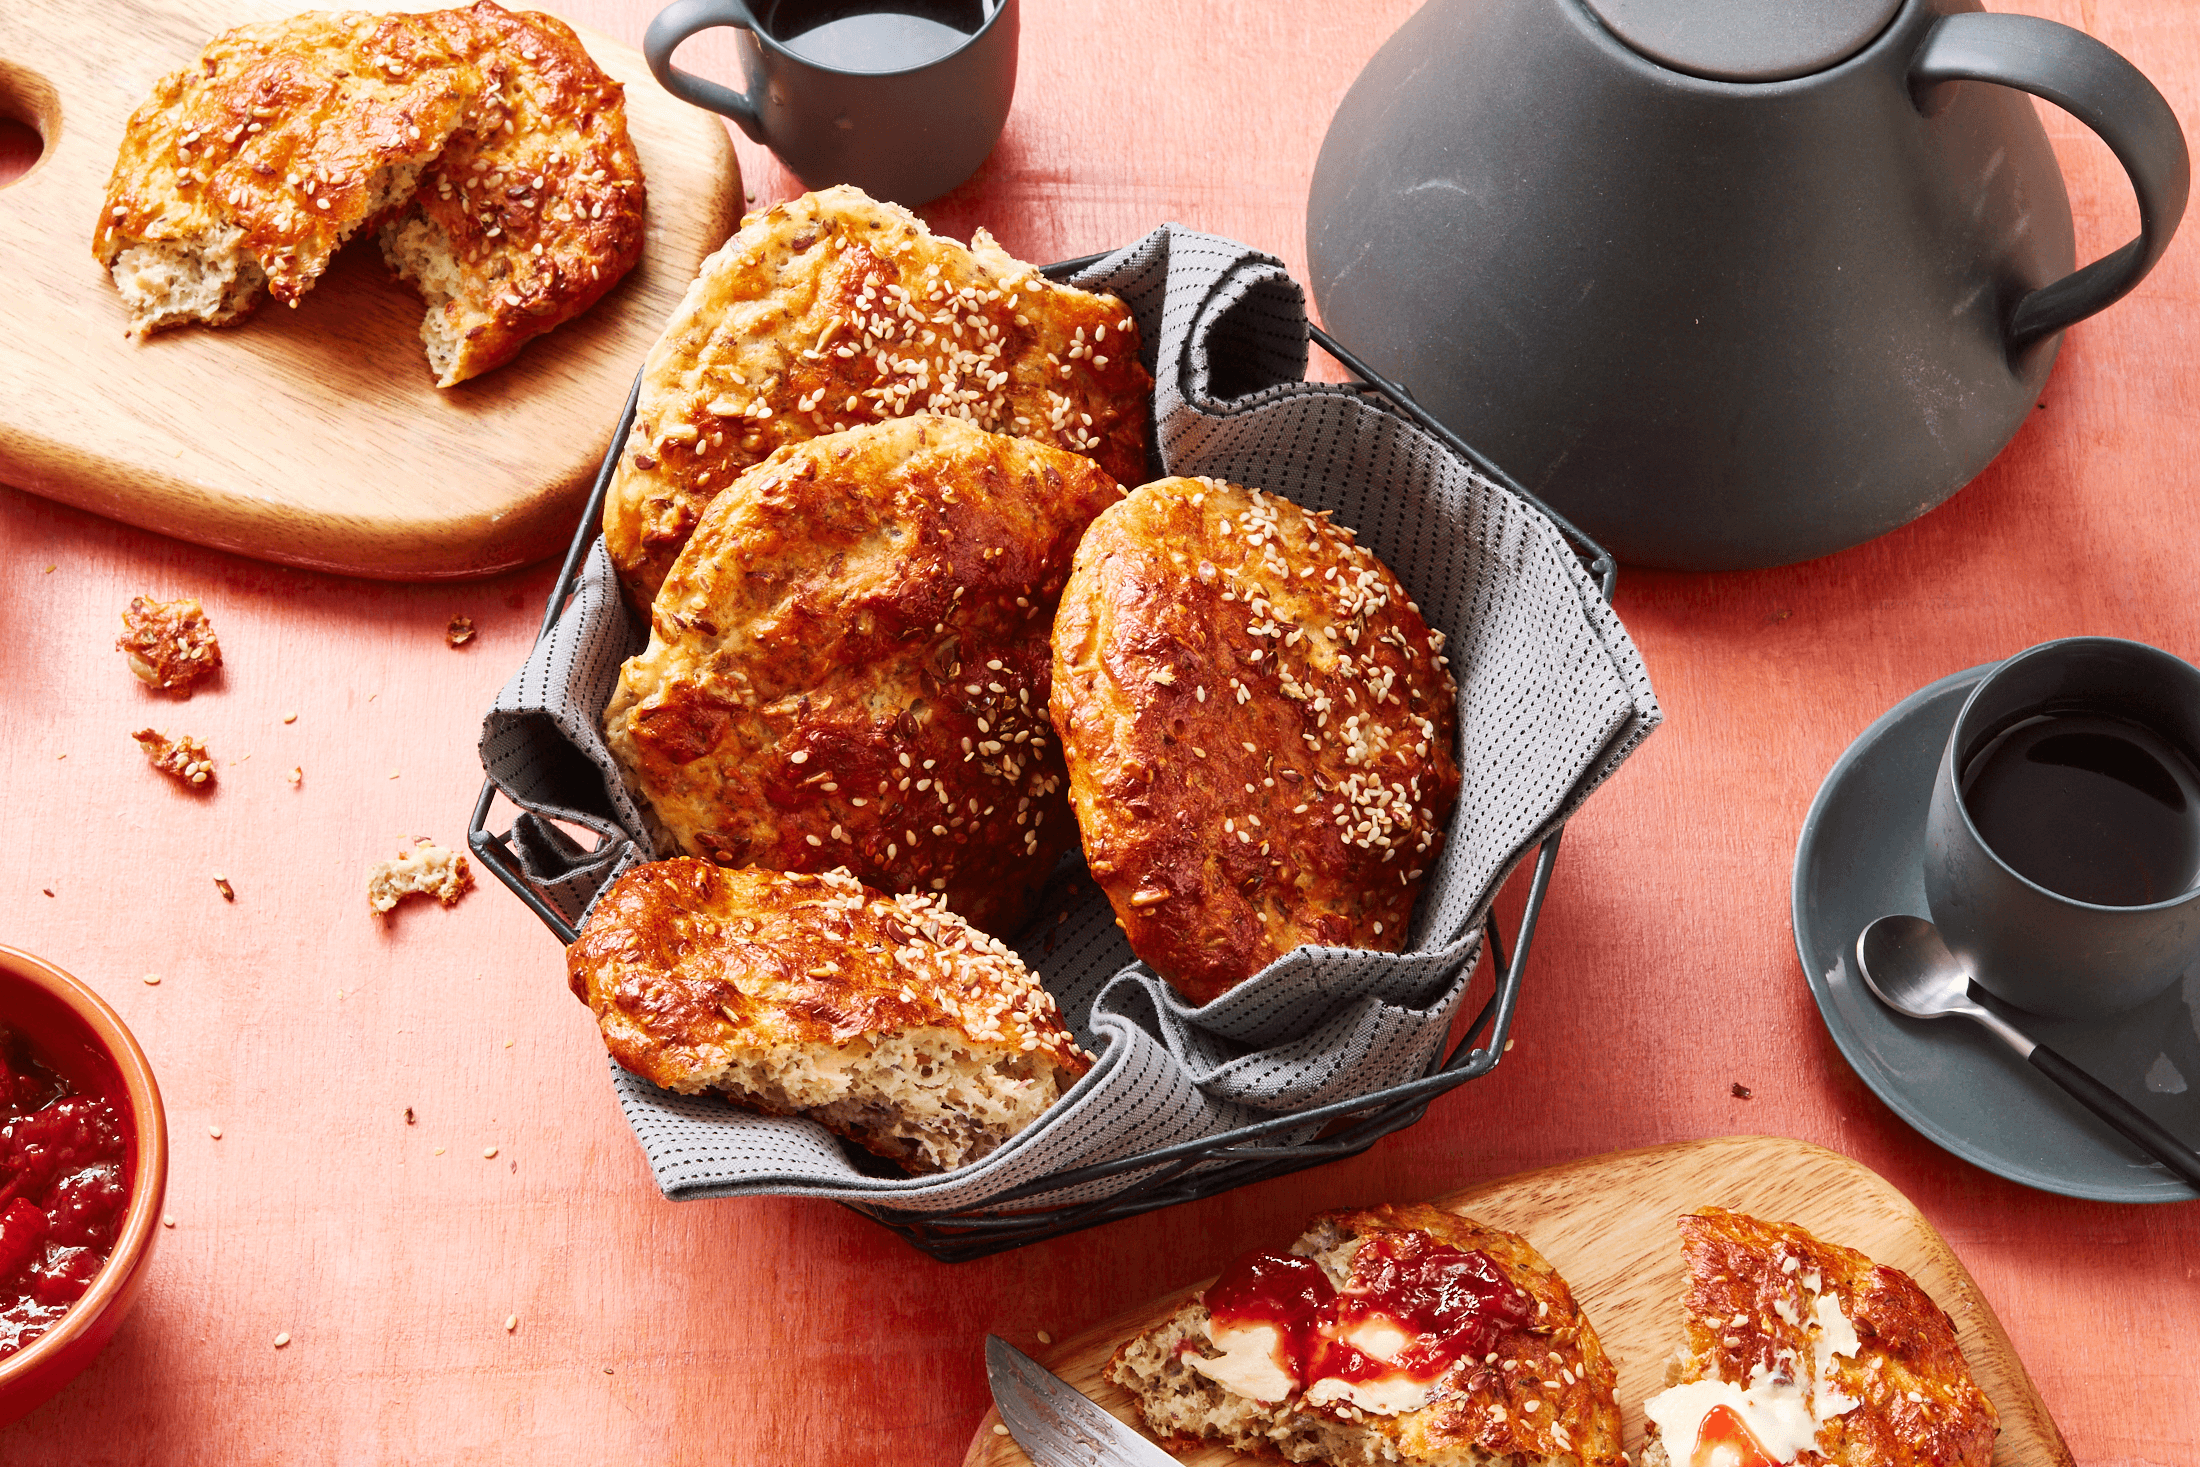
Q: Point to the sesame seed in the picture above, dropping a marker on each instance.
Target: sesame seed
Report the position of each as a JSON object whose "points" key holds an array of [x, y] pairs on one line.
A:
{"points": [[215, 1132], [167, 1219], [511, 1322], [282, 1339], [152, 980], [488, 1153]]}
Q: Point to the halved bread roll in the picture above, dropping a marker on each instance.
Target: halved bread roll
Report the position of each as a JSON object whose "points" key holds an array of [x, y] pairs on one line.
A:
{"points": [[1800, 1351], [1358, 1347], [888, 1020]]}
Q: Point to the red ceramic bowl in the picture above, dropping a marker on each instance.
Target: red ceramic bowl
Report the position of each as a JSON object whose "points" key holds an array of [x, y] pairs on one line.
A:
{"points": [[84, 1039]]}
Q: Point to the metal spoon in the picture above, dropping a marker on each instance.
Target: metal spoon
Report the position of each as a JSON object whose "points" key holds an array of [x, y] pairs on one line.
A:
{"points": [[1909, 968]]}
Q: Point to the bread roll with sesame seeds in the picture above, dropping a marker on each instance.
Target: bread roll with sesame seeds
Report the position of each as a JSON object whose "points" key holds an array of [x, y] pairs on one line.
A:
{"points": [[535, 209], [888, 1020], [834, 310], [1802, 1351], [253, 166], [848, 666], [1539, 1392], [1259, 728]]}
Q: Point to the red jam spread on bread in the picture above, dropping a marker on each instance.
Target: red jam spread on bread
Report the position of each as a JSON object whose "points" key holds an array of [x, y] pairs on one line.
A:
{"points": [[1725, 1440], [1430, 1304], [64, 1186]]}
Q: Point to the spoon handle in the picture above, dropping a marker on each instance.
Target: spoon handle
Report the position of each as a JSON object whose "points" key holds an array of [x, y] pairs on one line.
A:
{"points": [[2136, 1126]]}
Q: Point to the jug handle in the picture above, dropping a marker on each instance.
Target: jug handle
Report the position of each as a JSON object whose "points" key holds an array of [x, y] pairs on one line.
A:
{"points": [[2106, 93], [674, 24]]}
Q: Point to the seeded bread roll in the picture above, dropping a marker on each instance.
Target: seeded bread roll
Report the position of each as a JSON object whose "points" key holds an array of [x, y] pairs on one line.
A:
{"points": [[534, 210], [888, 1020], [848, 666], [834, 310], [1259, 729], [252, 165], [1819, 1355], [1543, 1395]]}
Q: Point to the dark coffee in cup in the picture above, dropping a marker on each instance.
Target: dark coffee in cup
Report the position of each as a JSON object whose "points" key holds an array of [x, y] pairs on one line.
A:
{"points": [[2095, 808], [873, 35], [2063, 842], [902, 98]]}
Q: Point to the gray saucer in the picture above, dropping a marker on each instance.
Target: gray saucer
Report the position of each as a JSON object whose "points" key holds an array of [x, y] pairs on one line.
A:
{"points": [[1859, 858]]}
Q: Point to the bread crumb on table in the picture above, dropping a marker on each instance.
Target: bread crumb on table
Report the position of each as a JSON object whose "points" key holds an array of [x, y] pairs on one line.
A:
{"points": [[460, 631], [183, 760], [425, 870], [170, 644]]}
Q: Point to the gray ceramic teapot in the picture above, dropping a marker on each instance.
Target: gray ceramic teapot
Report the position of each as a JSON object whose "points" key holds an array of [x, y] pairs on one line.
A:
{"points": [[1730, 283]]}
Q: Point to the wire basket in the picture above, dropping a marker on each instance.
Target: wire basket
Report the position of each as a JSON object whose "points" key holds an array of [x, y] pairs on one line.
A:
{"points": [[1288, 1141]]}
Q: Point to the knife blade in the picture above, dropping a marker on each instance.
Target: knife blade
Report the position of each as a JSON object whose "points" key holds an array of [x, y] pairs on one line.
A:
{"points": [[1056, 1424]]}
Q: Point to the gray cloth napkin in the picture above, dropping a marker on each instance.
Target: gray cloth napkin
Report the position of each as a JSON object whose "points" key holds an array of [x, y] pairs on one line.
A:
{"points": [[1552, 696]]}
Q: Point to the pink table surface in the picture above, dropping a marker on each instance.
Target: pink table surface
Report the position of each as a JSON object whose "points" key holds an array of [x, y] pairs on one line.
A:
{"points": [[767, 1330]]}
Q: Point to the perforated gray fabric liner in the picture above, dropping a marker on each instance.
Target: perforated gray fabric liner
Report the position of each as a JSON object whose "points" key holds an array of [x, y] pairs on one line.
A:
{"points": [[1552, 697]]}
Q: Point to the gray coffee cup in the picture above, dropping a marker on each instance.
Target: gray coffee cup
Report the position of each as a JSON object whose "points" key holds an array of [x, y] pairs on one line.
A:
{"points": [[2024, 941], [905, 123]]}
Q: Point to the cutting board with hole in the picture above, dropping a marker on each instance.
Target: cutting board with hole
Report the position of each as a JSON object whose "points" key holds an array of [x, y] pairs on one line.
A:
{"points": [[315, 437], [1606, 1224]]}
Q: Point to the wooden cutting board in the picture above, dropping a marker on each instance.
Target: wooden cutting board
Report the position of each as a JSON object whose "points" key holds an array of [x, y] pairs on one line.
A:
{"points": [[315, 437], [1606, 1224]]}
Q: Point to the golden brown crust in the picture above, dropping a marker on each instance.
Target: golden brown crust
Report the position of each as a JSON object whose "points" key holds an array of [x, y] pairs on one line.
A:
{"points": [[170, 644], [539, 195], [889, 1020], [1919, 1403], [832, 310], [798, 959], [1259, 730], [1557, 1362], [278, 132], [849, 666]]}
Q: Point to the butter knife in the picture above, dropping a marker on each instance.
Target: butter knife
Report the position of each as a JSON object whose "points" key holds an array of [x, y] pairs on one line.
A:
{"points": [[1055, 1423]]}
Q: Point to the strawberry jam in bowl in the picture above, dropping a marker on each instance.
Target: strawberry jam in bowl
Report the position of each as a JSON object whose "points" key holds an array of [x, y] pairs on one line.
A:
{"points": [[64, 1183], [83, 1166]]}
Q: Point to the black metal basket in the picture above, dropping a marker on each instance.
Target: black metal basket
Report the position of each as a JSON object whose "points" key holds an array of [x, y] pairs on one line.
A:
{"points": [[1192, 1169]]}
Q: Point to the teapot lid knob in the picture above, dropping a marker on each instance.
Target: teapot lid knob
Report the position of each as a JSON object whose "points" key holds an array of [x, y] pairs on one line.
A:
{"points": [[1745, 40]]}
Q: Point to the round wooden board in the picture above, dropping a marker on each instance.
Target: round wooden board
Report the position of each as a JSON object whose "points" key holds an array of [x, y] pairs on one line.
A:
{"points": [[1606, 1224], [314, 437]]}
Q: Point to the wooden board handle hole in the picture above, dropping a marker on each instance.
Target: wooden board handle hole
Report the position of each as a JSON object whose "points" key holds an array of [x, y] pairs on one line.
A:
{"points": [[30, 121]]}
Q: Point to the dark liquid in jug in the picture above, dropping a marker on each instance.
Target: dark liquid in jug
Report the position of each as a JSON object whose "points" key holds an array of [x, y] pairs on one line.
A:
{"points": [[2093, 808], [883, 35]]}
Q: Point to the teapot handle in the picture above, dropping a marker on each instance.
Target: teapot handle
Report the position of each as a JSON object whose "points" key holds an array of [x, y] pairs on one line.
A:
{"points": [[2106, 93]]}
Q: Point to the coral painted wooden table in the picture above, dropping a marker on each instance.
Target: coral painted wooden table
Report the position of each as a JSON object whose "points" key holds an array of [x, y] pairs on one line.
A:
{"points": [[420, 1176]]}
